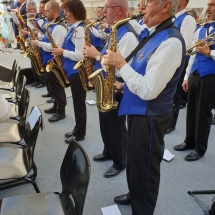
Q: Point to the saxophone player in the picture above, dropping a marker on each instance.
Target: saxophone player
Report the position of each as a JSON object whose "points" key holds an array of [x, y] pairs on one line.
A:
{"points": [[149, 88], [112, 127], [31, 8], [58, 32], [71, 52]]}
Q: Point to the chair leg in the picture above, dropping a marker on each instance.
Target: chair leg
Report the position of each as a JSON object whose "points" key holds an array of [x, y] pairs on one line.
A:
{"points": [[201, 192], [34, 167], [33, 183]]}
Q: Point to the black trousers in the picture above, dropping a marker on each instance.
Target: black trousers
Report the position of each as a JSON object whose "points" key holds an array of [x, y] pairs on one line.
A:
{"points": [[212, 210], [79, 104], [180, 96], [37, 78], [145, 153], [57, 91], [115, 136], [200, 102]]}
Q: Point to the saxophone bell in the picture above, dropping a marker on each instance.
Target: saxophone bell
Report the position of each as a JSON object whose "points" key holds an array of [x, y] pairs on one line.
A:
{"points": [[49, 65]]}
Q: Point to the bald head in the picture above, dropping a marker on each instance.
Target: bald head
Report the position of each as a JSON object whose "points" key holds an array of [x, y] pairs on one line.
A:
{"points": [[54, 6]]}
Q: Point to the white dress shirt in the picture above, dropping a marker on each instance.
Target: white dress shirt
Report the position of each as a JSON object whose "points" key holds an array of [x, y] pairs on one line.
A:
{"points": [[58, 35], [160, 69], [126, 45], [78, 39], [188, 27], [99, 33], [192, 58], [4, 109]]}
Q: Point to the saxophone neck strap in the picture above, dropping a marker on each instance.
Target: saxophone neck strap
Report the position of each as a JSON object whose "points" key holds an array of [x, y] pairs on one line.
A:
{"points": [[164, 25]]}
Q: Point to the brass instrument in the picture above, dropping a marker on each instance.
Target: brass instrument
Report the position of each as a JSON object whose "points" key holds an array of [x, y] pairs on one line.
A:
{"points": [[210, 39], [1, 13], [50, 66], [33, 53], [201, 21], [21, 39], [105, 100], [85, 67]]}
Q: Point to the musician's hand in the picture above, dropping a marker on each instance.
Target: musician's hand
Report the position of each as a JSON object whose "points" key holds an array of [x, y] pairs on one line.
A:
{"points": [[103, 25], [87, 21], [119, 87], [204, 49], [23, 32], [57, 51], [185, 86], [34, 42], [14, 10], [90, 52], [114, 59]]}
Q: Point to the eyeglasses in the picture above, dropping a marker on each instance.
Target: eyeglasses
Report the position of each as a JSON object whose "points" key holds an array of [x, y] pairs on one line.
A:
{"points": [[108, 7]]}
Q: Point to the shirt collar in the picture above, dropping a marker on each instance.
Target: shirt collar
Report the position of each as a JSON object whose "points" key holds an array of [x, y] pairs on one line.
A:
{"points": [[179, 13], [76, 23]]}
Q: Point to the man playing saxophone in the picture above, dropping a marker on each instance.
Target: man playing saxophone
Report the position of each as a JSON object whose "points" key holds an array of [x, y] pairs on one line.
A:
{"points": [[71, 51], [58, 32], [31, 8], [112, 127], [150, 84]]}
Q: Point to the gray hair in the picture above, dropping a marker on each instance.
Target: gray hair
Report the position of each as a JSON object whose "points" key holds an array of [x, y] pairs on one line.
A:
{"points": [[174, 6], [123, 4], [32, 4]]}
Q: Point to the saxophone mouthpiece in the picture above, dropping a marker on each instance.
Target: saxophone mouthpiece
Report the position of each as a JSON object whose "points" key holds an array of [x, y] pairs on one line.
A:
{"points": [[137, 16]]}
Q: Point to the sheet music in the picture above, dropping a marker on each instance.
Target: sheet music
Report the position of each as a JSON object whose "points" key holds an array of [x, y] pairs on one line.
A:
{"points": [[168, 156], [15, 18], [32, 119], [91, 102], [35, 26], [111, 210]]}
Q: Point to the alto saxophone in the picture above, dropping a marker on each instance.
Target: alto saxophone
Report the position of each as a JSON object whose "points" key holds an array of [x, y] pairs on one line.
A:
{"points": [[105, 96], [21, 39], [34, 54], [51, 65], [85, 67]]}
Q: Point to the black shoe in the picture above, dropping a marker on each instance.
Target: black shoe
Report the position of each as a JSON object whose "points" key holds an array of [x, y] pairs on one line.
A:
{"points": [[193, 156], [47, 95], [111, 172], [100, 158], [183, 147], [50, 100], [213, 121], [40, 85], [56, 117], [122, 200], [69, 134], [72, 138], [50, 110], [182, 106], [34, 84], [169, 130]]}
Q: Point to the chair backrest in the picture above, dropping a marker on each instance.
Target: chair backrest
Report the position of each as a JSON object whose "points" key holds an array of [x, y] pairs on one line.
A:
{"points": [[23, 106], [20, 85], [75, 176], [14, 70], [31, 132], [16, 74]]}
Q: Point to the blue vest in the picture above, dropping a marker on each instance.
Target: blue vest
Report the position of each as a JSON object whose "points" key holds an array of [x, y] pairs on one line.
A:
{"points": [[179, 20], [46, 56], [68, 64], [97, 42], [133, 104], [203, 64], [120, 33]]}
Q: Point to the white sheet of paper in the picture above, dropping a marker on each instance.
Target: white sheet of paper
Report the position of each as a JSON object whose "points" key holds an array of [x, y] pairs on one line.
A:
{"points": [[168, 156], [111, 210], [6, 96], [91, 102], [35, 114], [15, 18]]}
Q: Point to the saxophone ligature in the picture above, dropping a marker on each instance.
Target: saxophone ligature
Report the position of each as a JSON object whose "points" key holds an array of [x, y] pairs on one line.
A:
{"points": [[51, 65], [210, 39], [85, 67], [105, 96], [33, 52]]}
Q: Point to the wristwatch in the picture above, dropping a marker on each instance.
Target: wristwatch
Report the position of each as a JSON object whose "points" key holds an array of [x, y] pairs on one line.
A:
{"points": [[98, 57]]}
